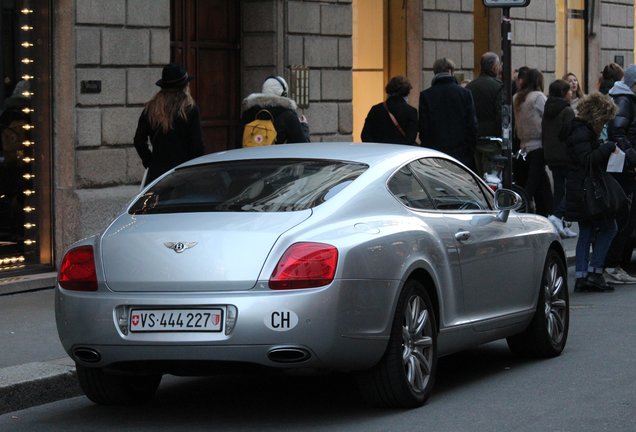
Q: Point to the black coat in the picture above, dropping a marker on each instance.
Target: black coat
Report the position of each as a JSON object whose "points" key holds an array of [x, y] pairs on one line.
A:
{"points": [[180, 144], [447, 120], [289, 129], [378, 126], [583, 149], [557, 117]]}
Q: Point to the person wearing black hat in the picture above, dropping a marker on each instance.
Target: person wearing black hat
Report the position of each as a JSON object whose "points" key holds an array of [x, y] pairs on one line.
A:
{"points": [[290, 128], [171, 122]]}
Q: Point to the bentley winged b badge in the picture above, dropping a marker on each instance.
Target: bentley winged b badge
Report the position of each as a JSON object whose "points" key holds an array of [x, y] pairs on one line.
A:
{"points": [[179, 247]]}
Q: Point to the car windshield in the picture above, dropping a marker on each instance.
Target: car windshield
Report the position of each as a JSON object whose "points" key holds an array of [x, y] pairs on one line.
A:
{"points": [[263, 185]]}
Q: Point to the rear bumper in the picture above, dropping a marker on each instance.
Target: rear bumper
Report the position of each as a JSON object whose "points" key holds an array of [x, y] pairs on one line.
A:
{"points": [[343, 326]]}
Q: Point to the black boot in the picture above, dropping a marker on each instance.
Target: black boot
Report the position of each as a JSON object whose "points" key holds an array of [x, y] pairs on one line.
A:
{"points": [[581, 285], [596, 282]]}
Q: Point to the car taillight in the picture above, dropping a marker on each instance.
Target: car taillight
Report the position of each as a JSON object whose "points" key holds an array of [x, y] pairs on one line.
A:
{"points": [[77, 271], [305, 265]]}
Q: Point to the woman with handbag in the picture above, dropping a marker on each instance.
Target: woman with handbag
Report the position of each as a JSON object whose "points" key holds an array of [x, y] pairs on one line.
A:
{"points": [[393, 121], [587, 167]]}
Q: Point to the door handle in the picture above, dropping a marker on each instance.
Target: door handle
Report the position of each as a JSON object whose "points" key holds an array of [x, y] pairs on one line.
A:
{"points": [[462, 235]]}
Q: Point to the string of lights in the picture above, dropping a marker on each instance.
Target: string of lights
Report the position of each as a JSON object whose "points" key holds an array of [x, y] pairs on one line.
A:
{"points": [[26, 154]]}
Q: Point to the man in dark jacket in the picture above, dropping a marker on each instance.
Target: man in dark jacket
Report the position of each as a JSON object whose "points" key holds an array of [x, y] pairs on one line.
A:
{"points": [[487, 90], [447, 120], [290, 128], [393, 121]]}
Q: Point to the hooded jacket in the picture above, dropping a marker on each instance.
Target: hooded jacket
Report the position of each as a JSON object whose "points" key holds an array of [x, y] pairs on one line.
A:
{"points": [[585, 154], [289, 129], [622, 130], [557, 115]]}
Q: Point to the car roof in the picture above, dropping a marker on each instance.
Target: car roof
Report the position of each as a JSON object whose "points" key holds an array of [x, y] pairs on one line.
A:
{"points": [[367, 153]]}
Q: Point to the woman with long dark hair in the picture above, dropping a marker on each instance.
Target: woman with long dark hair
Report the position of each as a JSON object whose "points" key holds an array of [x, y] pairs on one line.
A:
{"points": [[529, 104], [171, 122]]}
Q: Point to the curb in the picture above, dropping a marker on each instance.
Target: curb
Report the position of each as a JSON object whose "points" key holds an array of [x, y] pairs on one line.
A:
{"points": [[32, 384], [18, 284]]}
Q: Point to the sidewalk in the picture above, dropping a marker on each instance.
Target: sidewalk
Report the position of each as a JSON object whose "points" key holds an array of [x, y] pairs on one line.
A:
{"points": [[34, 368]]}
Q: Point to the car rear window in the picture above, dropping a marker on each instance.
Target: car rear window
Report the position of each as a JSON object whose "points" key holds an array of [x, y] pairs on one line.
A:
{"points": [[264, 185]]}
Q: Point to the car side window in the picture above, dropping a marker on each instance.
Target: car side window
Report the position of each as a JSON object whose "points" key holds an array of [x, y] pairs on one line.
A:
{"points": [[450, 186], [408, 189]]}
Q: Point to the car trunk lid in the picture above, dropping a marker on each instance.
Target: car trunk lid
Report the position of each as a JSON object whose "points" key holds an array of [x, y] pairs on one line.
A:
{"points": [[184, 252]]}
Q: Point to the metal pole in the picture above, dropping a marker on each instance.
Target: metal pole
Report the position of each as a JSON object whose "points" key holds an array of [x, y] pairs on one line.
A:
{"points": [[506, 108]]}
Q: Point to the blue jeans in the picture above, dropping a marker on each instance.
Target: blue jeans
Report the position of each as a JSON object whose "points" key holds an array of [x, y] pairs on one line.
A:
{"points": [[599, 235]]}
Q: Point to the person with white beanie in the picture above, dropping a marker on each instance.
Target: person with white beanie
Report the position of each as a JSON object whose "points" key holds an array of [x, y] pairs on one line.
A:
{"points": [[622, 131], [290, 128]]}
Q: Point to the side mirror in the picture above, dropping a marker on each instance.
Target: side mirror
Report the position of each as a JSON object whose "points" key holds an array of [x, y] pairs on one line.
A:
{"points": [[505, 199]]}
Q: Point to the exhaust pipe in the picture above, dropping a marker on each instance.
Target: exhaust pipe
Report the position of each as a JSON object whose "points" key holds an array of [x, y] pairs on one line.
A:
{"points": [[288, 355], [87, 355]]}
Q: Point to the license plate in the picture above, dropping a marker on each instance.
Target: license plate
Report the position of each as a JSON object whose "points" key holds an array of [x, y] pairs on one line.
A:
{"points": [[176, 320]]}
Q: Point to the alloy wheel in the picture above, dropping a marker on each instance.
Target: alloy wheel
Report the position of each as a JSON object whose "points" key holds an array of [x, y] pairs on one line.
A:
{"points": [[417, 344], [555, 303]]}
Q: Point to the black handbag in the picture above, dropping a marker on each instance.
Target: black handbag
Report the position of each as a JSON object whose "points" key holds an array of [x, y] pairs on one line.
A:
{"points": [[603, 195]]}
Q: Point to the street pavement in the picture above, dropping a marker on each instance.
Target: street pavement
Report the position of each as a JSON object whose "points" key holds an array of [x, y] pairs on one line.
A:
{"points": [[34, 368]]}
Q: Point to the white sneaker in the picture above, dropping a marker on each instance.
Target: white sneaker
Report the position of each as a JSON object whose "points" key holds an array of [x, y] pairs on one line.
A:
{"points": [[568, 233], [617, 275], [558, 224]]}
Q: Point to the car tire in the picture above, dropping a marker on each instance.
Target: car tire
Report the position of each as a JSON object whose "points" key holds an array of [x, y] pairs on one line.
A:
{"points": [[548, 331], [107, 388], [405, 375], [527, 206]]}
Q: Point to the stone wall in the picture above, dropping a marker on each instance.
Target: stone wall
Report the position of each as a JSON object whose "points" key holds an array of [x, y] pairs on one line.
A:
{"points": [[447, 31], [534, 37], [122, 44], [617, 32], [316, 34]]}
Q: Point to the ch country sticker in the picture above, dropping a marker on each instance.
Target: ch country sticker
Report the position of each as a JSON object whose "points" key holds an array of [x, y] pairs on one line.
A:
{"points": [[281, 320]]}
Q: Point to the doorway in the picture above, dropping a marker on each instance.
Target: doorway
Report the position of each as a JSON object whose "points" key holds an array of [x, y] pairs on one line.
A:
{"points": [[205, 37], [380, 51], [571, 40]]}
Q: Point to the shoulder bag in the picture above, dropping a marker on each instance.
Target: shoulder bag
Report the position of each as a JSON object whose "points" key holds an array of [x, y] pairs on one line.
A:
{"points": [[603, 195]]}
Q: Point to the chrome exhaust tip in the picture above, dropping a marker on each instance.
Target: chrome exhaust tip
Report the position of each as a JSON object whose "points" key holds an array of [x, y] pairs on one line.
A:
{"points": [[288, 355], [87, 355]]}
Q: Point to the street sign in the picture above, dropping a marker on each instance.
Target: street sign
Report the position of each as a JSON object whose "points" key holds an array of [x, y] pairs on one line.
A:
{"points": [[506, 3]]}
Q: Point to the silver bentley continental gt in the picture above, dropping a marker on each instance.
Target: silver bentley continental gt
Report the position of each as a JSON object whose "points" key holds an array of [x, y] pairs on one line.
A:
{"points": [[373, 259]]}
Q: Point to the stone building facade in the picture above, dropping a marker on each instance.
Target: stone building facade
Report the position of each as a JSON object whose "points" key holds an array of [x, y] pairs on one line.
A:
{"points": [[123, 44]]}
